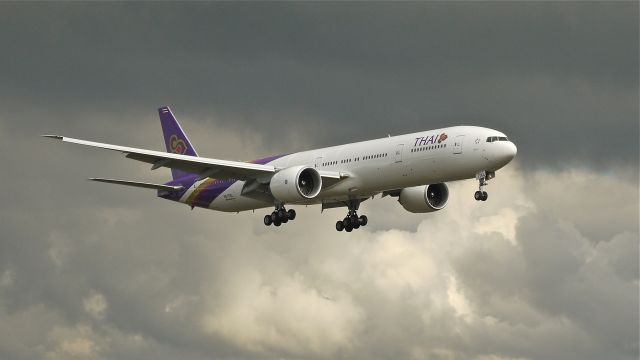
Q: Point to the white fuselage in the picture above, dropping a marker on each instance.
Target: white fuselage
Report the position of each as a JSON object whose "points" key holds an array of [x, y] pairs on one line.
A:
{"points": [[389, 163]]}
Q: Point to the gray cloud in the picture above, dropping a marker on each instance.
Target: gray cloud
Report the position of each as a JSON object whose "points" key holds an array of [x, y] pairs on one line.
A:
{"points": [[560, 78]]}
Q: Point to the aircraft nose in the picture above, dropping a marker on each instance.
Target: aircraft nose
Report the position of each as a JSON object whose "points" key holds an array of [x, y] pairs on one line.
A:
{"points": [[505, 153], [512, 150]]}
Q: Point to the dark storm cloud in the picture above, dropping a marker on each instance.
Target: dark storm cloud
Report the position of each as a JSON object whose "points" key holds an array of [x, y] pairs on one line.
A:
{"points": [[560, 78]]}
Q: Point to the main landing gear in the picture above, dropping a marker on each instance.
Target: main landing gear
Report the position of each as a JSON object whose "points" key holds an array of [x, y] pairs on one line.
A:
{"points": [[483, 177], [352, 220], [279, 216]]}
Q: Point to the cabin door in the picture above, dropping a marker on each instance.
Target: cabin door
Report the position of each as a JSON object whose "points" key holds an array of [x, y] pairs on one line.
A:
{"points": [[457, 144], [399, 149]]}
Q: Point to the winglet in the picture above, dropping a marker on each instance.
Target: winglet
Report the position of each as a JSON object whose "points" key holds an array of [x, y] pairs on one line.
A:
{"points": [[57, 137]]}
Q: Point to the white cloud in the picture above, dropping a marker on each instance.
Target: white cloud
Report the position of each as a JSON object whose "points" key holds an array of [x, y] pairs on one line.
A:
{"points": [[72, 343], [288, 316], [95, 305]]}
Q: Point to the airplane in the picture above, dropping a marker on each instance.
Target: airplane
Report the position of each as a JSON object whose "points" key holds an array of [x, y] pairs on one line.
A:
{"points": [[412, 167]]}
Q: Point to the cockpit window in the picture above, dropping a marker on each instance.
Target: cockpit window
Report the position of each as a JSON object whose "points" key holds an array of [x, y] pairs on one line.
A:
{"points": [[497, 138]]}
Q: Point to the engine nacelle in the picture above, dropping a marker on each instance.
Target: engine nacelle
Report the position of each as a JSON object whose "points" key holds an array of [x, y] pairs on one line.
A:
{"points": [[424, 199], [296, 183]]}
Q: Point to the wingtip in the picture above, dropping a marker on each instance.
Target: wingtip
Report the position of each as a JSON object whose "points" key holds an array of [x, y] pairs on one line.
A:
{"points": [[57, 137]]}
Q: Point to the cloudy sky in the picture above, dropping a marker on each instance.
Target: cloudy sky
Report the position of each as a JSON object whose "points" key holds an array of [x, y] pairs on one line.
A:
{"points": [[546, 269]]}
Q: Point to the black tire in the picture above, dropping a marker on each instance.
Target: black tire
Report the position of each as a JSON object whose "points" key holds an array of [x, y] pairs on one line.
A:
{"points": [[485, 196], [346, 221], [363, 220], [267, 220], [291, 214], [274, 217], [339, 225], [477, 195], [277, 223], [282, 215], [348, 228]]}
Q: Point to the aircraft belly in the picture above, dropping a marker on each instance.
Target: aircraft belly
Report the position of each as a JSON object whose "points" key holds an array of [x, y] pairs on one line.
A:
{"points": [[232, 201]]}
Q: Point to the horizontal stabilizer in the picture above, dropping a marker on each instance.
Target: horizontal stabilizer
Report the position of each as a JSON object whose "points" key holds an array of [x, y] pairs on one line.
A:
{"points": [[138, 184]]}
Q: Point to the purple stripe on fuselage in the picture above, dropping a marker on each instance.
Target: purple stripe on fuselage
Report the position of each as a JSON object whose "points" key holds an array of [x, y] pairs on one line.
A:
{"points": [[206, 195], [267, 160], [186, 182], [209, 191]]}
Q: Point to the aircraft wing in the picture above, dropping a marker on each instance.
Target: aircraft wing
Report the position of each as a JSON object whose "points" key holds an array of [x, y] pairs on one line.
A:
{"points": [[205, 167]]}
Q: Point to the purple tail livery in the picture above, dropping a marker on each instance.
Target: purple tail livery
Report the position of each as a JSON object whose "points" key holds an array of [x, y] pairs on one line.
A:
{"points": [[175, 139]]}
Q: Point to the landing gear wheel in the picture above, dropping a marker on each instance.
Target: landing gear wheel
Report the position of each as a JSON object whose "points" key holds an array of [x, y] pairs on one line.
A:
{"points": [[355, 222], [352, 221], [279, 216], [282, 215], [482, 178]]}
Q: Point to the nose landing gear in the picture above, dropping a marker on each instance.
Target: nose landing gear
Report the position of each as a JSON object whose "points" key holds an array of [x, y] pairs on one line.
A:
{"points": [[480, 196], [279, 216], [483, 177]]}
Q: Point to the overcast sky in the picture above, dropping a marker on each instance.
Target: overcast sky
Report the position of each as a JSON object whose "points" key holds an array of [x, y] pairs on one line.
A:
{"points": [[546, 269]]}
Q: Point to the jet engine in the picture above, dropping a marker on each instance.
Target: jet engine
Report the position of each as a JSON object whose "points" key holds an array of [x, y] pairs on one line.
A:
{"points": [[424, 199], [296, 183]]}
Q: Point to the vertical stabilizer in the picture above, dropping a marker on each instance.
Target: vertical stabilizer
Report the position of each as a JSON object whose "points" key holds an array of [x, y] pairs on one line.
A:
{"points": [[175, 139]]}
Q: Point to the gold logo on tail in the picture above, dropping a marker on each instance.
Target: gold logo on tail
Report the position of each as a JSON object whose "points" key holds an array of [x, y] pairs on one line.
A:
{"points": [[176, 145]]}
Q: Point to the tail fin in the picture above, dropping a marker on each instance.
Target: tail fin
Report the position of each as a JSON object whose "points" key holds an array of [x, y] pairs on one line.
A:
{"points": [[174, 138]]}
